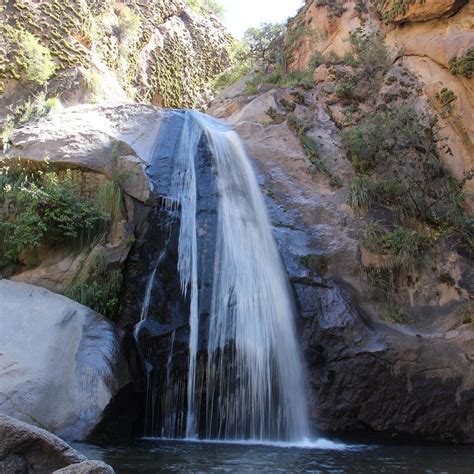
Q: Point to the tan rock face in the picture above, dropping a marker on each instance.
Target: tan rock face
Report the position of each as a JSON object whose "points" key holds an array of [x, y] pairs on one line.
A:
{"points": [[397, 11], [316, 29], [428, 47], [429, 33]]}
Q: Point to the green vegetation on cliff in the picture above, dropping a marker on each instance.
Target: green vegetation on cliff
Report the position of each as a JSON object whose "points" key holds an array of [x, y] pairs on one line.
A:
{"points": [[395, 152], [41, 206], [155, 59], [463, 65]]}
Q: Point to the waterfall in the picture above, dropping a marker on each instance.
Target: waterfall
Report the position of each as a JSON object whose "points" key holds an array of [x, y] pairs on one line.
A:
{"points": [[246, 380]]}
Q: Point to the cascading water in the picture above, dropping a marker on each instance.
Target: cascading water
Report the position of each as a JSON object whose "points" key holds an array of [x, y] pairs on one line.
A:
{"points": [[244, 378]]}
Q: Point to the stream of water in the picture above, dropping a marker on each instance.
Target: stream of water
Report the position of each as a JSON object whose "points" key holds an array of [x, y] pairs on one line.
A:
{"points": [[249, 384]]}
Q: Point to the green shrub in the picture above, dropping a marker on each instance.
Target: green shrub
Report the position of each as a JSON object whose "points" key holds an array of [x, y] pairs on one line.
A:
{"points": [[333, 58], [39, 207], [370, 52], [36, 108], [446, 96], [404, 246], [265, 42], [395, 314], [380, 277], [335, 7], [231, 75], [463, 65], [110, 200], [35, 58], [384, 134], [349, 58], [6, 134], [214, 7], [369, 59], [390, 9], [302, 79], [210, 6], [101, 289], [361, 193], [128, 22], [316, 60], [346, 87]]}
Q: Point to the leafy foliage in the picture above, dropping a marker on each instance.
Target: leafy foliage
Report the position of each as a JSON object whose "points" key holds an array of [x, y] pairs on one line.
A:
{"points": [[316, 60], [110, 200], [241, 64], [335, 7], [369, 60], [210, 6], [463, 65], [100, 290], [42, 207], [404, 246], [399, 150], [35, 58], [264, 42]]}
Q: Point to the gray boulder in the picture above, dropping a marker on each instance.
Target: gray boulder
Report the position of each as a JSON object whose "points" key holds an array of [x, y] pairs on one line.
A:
{"points": [[86, 467], [60, 362], [27, 449]]}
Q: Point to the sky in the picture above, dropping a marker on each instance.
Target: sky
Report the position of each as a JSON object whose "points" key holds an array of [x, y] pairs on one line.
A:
{"points": [[242, 14]]}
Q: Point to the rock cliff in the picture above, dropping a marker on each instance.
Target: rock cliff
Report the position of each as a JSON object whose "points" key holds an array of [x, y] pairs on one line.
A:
{"points": [[160, 52], [424, 36], [377, 250]]}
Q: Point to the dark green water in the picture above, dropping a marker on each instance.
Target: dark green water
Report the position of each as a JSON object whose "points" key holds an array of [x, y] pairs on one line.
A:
{"points": [[154, 456]]}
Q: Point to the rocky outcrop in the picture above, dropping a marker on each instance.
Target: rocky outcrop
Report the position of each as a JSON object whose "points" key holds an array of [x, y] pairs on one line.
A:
{"points": [[60, 363], [422, 367], [27, 449], [403, 11], [161, 52], [366, 374], [422, 35], [95, 143]]}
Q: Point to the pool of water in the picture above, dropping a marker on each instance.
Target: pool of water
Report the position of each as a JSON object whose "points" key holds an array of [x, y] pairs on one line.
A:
{"points": [[153, 456]]}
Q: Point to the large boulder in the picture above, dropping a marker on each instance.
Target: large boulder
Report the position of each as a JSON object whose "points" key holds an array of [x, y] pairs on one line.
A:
{"points": [[60, 363], [93, 138], [27, 449]]}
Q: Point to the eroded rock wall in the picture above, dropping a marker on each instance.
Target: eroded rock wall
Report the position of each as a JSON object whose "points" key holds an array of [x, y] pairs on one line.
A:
{"points": [[161, 52]]}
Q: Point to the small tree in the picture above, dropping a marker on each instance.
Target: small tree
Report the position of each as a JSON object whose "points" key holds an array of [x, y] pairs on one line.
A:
{"points": [[264, 42]]}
